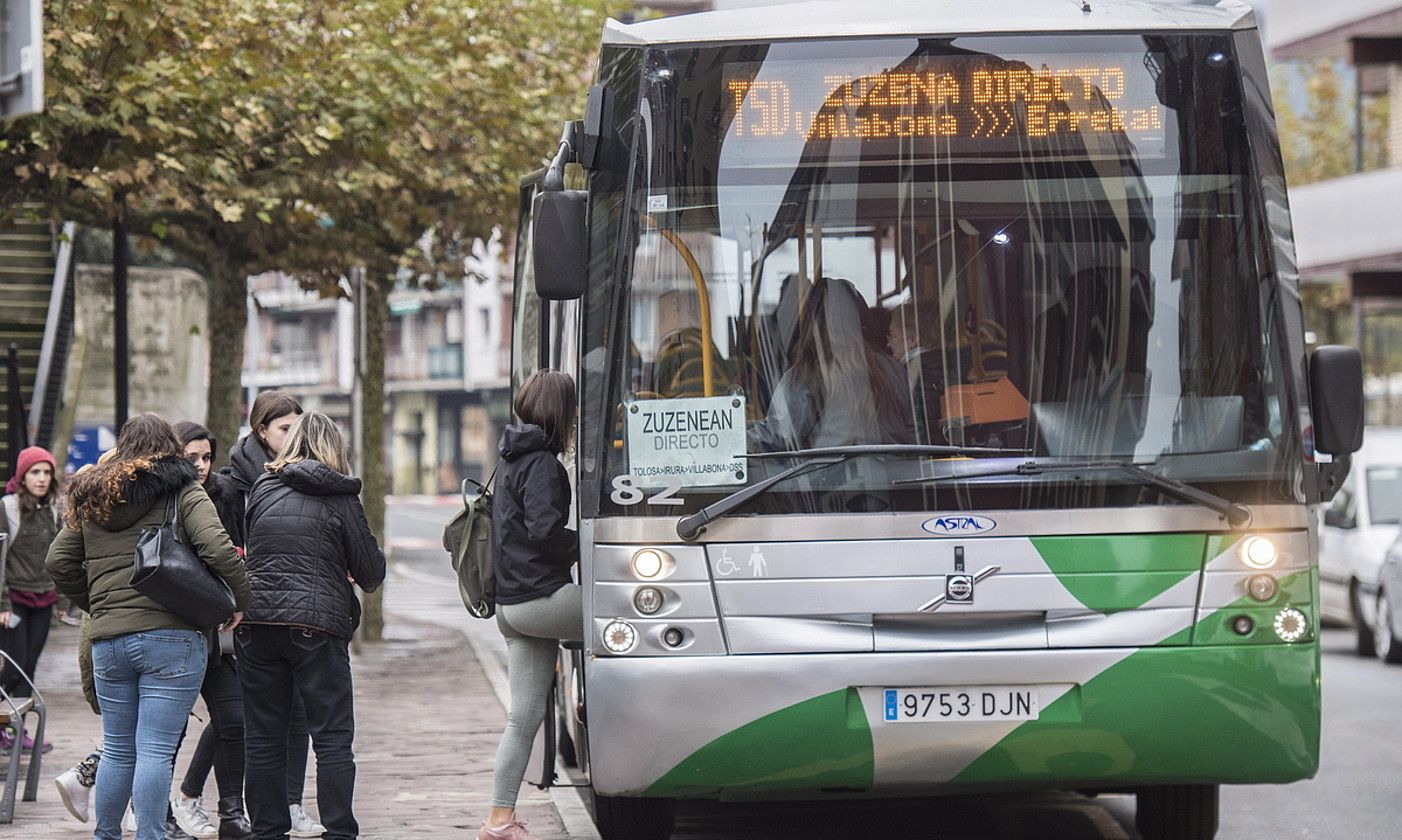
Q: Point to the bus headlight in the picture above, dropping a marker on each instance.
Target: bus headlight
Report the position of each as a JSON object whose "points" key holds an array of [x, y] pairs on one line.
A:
{"points": [[648, 600], [619, 636], [1258, 552], [650, 563], [1291, 625], [1261, 587]]}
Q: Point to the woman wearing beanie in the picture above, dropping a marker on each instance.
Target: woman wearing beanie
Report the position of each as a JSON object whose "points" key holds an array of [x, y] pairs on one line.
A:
{"points": [[27, 593]]}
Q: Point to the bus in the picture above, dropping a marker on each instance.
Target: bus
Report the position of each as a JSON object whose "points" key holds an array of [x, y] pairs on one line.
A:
{"points": [[947, 422]]}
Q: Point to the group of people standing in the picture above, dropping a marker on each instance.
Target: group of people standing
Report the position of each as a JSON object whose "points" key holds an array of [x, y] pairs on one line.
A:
{"points": [[284, 528]]}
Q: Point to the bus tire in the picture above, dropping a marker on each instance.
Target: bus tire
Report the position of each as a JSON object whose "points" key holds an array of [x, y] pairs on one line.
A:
{"points": [[634, 818], [1177, 812], [1363, 634]]}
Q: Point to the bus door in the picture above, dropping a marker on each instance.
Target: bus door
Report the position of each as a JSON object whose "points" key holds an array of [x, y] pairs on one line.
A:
{"points": [[545, 334]]}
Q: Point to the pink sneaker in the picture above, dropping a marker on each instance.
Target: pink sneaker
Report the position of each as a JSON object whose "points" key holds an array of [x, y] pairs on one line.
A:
{"points": [[514, 830]]}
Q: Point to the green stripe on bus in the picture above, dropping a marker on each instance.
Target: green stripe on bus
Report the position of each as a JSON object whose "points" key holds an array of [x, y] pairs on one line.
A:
{"points": [[822, 743], [1249, 711], [1113, 573]]}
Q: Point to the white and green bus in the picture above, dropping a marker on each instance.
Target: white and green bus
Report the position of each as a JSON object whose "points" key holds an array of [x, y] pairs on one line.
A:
{"points": [[947, 422]]}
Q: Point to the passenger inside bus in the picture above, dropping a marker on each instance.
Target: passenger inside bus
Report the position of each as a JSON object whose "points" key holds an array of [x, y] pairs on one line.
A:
{"points": [[842, 385]]}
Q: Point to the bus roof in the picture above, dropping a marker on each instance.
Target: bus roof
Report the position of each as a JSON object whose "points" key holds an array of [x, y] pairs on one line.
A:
{"points": [[872, 18]]}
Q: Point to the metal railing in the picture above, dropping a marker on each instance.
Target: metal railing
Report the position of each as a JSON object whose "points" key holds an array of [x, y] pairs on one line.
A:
{"points": [[63, 265]]}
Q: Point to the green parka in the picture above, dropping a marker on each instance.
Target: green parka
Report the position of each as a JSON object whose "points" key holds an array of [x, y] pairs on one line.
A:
{"points": [[108, 507]]}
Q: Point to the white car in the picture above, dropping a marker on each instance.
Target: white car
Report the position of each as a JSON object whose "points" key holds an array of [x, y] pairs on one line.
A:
{"points": [[1360, 525]]}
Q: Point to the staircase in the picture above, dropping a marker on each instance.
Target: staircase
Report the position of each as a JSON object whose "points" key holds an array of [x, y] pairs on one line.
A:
{"points": [[28, 258]]}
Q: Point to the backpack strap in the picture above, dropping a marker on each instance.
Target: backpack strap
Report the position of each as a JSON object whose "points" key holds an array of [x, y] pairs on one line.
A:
{"points": [[482, 486]]}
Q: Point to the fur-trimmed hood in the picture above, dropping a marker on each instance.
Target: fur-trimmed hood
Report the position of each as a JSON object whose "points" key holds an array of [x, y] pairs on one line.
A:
{"points": [[115, 495]]}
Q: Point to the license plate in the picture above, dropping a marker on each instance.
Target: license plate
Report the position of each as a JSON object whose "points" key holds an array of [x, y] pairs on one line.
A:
{"points": [[1003, 702]]}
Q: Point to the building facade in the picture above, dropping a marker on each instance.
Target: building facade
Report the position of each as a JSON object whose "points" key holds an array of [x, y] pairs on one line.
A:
{"points": [[1348, 230], [447, 357]]}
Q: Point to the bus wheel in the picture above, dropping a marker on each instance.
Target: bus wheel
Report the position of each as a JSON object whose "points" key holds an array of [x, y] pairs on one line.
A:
{"points": [[1363, 634], [1177, 812], [630, 818]]}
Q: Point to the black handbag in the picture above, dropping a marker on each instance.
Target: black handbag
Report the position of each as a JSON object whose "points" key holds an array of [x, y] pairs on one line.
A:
{"points": [[169, 573]]}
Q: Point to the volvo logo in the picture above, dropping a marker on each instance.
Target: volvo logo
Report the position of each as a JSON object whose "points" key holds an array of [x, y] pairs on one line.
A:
{"points": [[958, 525], [959, 588]]}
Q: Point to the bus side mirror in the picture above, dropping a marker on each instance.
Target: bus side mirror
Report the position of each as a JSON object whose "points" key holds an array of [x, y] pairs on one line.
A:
{"points": [[1336, 399], [560, 244]]}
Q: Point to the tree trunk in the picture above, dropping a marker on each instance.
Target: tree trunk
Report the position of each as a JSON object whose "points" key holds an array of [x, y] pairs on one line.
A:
{"points": [[228, 321], [372, 432]]}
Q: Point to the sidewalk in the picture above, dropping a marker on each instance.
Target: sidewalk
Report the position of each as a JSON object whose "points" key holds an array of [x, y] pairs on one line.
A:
{"points": [[427, 724]]}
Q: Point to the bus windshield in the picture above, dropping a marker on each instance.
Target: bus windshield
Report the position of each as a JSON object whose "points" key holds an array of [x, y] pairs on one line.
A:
{"points": [[1049, 244]]}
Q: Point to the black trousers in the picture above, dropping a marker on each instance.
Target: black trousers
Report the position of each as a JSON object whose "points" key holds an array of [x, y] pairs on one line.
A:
{"points": [[221, 744], [220, 747], [275, 663], [24, 644]]}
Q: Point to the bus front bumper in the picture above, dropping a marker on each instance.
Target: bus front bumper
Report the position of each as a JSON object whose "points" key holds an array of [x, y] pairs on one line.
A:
{"points": [[780, 726]]}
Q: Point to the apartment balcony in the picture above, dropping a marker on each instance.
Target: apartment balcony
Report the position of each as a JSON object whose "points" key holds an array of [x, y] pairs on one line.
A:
{"points": [[286, 370], [1349, 225]]}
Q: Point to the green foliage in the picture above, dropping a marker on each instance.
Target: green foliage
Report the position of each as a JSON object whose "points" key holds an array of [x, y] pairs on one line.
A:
{"points": [[308, 136], [1318, 141]]}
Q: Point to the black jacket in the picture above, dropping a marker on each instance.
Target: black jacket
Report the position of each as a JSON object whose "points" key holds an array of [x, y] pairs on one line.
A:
{"points": [[532, 550], [306, 530], [247, 461], [229, 503]]}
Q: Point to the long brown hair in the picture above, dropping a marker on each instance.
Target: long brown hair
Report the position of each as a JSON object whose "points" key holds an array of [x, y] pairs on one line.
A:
{"points": [[547, 399], [95, 492], [267, 407], [147, 437], [314, 437]]}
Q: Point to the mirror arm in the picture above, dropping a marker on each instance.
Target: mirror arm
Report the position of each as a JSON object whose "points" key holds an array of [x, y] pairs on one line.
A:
{"points": [[554, 180], [1331, 477]]}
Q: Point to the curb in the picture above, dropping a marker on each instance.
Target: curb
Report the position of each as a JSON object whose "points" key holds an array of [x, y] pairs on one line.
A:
{"points": [[568, 801]]}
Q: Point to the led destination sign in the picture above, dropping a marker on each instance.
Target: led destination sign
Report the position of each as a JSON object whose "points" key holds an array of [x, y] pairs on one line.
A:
{"points": [[977, 103]]}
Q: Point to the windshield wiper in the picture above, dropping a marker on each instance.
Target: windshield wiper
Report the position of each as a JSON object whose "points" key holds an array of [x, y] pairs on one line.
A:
{"points": [[690, 527], [1238, 515]]}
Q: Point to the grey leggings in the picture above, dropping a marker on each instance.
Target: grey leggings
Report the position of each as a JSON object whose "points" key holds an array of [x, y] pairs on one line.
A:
{"points": [[533, 632]]}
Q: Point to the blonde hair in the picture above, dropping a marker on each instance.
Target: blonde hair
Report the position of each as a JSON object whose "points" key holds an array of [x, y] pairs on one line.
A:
{"points": [[317, 437]]}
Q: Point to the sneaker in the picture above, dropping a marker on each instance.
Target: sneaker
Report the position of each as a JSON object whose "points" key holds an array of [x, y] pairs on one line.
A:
{"points": [[191, 816], [514, 830], [129, 820], [74, 792], [302, 823], [174, 831], [29, 744]]}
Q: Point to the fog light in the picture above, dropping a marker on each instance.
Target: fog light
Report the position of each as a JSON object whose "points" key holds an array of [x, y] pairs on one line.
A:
{"points": [[1242, 625], [1291, 625], [1258, 552], [649, 563], [648, 600], [619, 636], [1261, 587], [673, 637]]}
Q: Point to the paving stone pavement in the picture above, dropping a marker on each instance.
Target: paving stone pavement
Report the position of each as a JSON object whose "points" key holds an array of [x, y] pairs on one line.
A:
{"points": [[427, 724]]}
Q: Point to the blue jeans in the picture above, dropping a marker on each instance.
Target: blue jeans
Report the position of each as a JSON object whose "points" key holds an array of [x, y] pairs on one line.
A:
{"points": [[146, 685]]}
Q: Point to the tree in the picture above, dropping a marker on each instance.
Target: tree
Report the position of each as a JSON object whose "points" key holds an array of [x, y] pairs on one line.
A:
{"points": [[313, 137], [432, 161]]}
